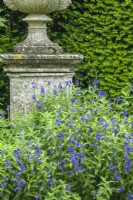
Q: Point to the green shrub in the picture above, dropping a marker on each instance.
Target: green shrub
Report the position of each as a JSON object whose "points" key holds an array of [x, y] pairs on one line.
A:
{"points": [[10, 34], [73, 145], [101, 30]]}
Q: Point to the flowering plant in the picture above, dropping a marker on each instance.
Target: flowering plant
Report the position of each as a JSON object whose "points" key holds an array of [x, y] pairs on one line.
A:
{"points": [[73, 145]]}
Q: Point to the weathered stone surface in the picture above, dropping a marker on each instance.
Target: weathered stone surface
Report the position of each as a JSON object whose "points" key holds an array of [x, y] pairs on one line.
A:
{"points": [[35, 60], [23, 86], [24, 69], [37, 40]]}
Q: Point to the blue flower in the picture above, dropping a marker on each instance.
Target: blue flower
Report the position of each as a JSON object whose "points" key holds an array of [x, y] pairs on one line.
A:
{"points": [[71, 141], [70, 149], [77, 82], [74, 159], [79, 92], [129, 196], [49, 82], [3, 185], [33, 171], [96, 81], [100, 121], [58, 121], [52, 150], [17, 155], [98, 136], [116, 132], [17, 174], [111, 166], [60, 86], [42, 90], [37, 151], [82, 119], [39, 107], [50, 180], [95, 195], [29, 143], [17, 152], [60, 144], [39, 161], [60, 135], [19, 185], [55, 93], [38, 197], [94, 88], [109, 101], [126, 122], [7, 163], [48, 187], [79, 145], [68, 187], [33, 97], [117, 178], [127, 168], [74, 101], [34, 85], [63, 160], [8, 108], [22, 167], [126, 156], [105, 126], [81, 155], [118, 99], [68, 83], [120, 190], [102, 94], [2, 114], [5, 178], [124, 114]]}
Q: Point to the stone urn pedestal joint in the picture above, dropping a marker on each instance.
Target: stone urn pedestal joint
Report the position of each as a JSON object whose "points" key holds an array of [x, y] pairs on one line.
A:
{"points": [[37, 40]]}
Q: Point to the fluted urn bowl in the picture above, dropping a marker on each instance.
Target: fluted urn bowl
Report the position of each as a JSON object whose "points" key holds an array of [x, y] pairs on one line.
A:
{"points": [[37, 6]]}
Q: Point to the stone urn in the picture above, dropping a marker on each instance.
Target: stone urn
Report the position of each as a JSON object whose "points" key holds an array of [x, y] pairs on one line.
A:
{"points": [[37, 40]]}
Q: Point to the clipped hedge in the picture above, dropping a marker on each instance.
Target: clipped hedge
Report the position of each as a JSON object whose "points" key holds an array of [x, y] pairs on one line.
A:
{"points": [[101, 30], [9, 36]]}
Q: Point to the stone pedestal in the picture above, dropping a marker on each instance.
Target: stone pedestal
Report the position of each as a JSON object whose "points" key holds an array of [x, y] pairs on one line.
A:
{"points": [[36, 61], [30, 73]]}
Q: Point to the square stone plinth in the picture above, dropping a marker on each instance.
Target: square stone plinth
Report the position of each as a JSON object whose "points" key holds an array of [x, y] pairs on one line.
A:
{"points": [[29, 73]]}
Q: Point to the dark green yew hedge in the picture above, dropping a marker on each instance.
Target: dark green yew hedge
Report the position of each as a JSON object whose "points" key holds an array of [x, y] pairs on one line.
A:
{"points": [[101, 30], [9, 36]]}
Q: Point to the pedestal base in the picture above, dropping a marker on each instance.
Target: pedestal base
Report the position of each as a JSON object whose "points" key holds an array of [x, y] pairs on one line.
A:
{"points": [[24, 86], [29, 73]]}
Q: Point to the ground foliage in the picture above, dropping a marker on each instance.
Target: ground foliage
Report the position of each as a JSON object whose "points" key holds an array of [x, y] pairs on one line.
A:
{"points": [[73, 145]]}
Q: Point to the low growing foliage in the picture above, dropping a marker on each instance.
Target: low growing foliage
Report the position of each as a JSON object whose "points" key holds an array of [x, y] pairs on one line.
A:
{"points": [[75, 145]]}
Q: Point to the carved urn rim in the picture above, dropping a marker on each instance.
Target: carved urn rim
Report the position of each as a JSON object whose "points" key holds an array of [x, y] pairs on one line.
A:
{"points": [[37, 6]]}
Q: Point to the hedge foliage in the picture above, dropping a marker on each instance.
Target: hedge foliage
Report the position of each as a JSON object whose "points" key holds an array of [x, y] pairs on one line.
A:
{"points": [[9, 36], [101, 30]]}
